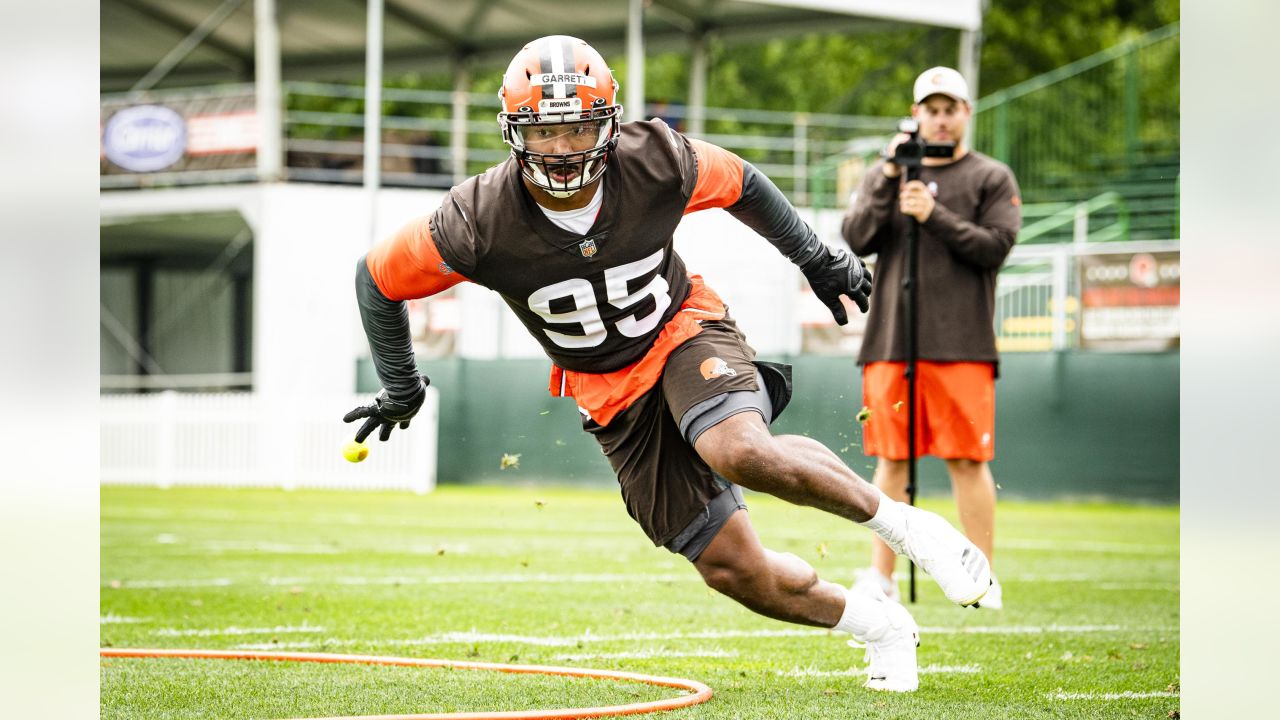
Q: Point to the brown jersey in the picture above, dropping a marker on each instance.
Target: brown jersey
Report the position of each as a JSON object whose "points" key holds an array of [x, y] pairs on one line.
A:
{"points": [[609, 306], [596, 301]]}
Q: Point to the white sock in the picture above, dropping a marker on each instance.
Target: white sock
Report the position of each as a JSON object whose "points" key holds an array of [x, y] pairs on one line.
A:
{"points": [[889, 521], [864, 618]]}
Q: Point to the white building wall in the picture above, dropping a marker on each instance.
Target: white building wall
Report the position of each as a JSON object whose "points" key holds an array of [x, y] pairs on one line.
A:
{"points": [[305, 252]]}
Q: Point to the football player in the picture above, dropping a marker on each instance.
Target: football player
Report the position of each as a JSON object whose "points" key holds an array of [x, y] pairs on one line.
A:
{"points": [[575, 232]]}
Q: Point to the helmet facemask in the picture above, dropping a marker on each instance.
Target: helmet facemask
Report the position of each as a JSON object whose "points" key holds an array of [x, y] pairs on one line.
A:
{"points": [[532, 136]]}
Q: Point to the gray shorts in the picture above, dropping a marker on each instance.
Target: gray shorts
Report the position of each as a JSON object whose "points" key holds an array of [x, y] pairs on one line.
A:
{"points": [[697, 535]]}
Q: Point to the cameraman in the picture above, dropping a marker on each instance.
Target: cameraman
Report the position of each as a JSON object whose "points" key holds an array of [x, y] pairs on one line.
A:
{"points": [[967, 207]]}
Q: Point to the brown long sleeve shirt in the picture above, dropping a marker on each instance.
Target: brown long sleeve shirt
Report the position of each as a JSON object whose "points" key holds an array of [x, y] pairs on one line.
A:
{"points": [[962, 245]]}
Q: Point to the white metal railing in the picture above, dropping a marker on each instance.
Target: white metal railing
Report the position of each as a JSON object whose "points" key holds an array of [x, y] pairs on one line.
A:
{"points": [[433, 138], [248, 440]]}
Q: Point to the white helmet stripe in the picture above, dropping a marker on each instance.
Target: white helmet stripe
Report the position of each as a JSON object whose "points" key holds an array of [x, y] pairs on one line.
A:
{"points": [[558, 48]]}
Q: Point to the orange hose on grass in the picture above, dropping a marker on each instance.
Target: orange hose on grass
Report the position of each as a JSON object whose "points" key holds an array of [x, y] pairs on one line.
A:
{"points": [[702, 693]]}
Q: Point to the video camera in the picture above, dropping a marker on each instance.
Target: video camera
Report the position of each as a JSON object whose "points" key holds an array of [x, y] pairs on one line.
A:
{"points": [[911, 153]]}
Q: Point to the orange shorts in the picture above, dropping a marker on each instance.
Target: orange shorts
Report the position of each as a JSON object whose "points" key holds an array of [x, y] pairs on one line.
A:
{"points": [[955, 410]]}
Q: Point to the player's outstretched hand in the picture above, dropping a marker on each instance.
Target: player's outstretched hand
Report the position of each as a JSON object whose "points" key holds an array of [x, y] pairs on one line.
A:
{"points": [[386, 412], [837, 273]]}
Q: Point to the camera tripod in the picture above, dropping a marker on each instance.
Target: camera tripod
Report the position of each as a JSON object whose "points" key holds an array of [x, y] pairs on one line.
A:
{"points": [[910, 301]]}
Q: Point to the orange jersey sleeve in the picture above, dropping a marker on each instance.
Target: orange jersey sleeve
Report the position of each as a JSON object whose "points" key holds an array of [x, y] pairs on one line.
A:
{"points": [[407, 265], [719, 177]]}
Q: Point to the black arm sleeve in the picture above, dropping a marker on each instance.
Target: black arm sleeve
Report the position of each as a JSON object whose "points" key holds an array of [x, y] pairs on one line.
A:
{"points": [[386, 324], [763, 208]]}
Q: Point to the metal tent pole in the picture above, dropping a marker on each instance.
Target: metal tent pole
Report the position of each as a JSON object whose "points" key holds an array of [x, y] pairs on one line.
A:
{"points": [[373, 113], [373, 98], [635, 60], [266, 69]]}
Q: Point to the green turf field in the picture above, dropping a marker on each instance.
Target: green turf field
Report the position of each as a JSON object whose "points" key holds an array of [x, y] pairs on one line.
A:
{"points": [[563, 577]]}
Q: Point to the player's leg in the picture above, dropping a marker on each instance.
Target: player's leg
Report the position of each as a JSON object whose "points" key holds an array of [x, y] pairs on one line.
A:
{"points": [[681, 504], [785, 587], [804, 472], [797, 469], [777, 585], [729, 433]]}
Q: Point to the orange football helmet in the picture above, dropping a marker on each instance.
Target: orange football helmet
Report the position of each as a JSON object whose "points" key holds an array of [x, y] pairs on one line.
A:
{"points": [[560, 114]]}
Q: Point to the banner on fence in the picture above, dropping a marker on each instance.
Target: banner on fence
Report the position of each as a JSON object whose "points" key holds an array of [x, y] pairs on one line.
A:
{"points": [[1130, 302]]}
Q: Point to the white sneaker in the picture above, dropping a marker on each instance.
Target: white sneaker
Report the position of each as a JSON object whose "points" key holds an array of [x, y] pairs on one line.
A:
{"points": [[994, 599], [891, 657], [865, 578], [955, 563]]}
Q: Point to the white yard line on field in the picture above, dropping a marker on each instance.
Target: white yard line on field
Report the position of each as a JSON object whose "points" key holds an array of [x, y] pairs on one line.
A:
{"points": [[278, 519], [464, 638], [505, 578], [274, 548], [478, 579], [153, 584], [1024, 629], [117, 619], [1166, 586], [474, 637], [300, 645], [1126, 695], [211, 632], [1090, 547], [1095, 583], [924, 670], [554, 578], [648, 654], [1049, 578], [573, 640]]}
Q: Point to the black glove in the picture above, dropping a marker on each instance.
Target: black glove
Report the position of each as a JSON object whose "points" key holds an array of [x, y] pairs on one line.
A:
{"points": [[386, 412], [835, 273]]}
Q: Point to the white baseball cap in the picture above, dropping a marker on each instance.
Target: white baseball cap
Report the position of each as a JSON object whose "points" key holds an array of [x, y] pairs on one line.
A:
{"points": [[942, 80]]}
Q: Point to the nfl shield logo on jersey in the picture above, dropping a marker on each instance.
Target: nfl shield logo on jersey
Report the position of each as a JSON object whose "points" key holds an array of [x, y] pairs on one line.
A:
{"points": [[587, 247]]}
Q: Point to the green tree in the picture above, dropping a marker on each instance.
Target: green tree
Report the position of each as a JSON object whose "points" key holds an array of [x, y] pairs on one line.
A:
{"points": [[1024, 38]]}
